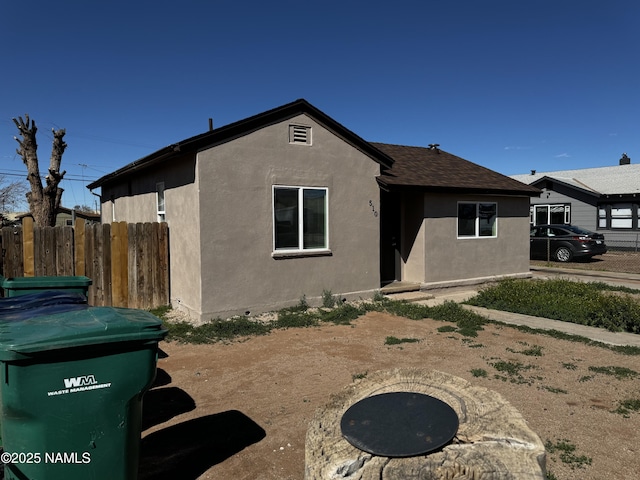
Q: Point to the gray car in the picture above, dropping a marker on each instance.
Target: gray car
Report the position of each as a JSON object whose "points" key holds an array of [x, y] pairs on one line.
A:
{"points": [[565, 242]]}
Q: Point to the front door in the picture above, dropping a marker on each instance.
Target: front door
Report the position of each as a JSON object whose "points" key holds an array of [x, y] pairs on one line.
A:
{"points": [[390, 228]]}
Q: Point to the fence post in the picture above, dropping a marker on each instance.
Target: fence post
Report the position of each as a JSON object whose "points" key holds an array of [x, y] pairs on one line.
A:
{"points": [[64, 250], [163, 264], [133, 260], [27, 247], [79, 247], [12, 260], [119, 265]]}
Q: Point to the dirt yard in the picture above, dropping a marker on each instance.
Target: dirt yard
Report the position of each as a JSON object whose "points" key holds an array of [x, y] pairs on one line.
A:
{"points": [[240, 410]]}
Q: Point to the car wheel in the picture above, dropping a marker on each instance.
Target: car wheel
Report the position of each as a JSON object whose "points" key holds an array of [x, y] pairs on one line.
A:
{"points": [[563, 254]]}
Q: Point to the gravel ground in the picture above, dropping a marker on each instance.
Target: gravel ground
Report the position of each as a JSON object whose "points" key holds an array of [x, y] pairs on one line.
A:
{"points": [[625, 262]]}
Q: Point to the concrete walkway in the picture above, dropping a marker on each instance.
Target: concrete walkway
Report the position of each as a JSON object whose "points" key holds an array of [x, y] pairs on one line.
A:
{"points": [[461, 294]]}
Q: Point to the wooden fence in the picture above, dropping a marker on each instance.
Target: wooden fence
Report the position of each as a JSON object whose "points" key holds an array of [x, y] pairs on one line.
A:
{"points": [[127, 263]]}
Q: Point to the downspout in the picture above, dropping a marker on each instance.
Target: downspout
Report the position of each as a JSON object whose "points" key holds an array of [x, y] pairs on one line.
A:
{"points": [[100, 202]]}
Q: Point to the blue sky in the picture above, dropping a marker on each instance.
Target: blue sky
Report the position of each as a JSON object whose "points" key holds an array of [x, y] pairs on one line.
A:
{"points": [[510, 85]]}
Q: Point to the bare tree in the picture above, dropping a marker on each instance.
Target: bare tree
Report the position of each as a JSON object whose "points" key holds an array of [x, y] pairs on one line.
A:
{"points": [[83, 208], [43, 201], [11, 194]]}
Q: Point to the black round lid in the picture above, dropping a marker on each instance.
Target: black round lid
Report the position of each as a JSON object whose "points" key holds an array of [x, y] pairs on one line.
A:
{"points": [[399, 424]]}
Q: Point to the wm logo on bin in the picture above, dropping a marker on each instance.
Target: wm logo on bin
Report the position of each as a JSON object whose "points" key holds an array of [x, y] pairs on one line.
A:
{"points": [[81, 381]]}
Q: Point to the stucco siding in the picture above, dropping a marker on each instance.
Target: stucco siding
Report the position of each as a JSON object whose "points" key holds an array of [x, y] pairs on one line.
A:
{"points": [[239, 270], [135, 201], [448, 258]]}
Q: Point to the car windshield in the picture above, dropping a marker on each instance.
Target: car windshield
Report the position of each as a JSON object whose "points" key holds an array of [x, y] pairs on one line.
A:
{"points": [[577, 230]]}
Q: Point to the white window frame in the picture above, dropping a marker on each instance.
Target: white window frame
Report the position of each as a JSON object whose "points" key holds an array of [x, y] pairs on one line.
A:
{"points": [[477, 233], [549, 206], [300, 249], [621, 214], [161, 205], [602, 216], [618, 216]]}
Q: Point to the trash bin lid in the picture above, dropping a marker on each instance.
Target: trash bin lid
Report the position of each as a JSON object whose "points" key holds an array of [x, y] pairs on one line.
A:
{"points": [[45, 282], [35, 335]]}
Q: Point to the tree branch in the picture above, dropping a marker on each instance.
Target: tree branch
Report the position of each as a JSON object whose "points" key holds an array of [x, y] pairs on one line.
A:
{"points": [[28, 152], [43, 202]]}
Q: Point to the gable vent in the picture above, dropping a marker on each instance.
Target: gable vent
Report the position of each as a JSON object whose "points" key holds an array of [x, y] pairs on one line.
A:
{"points": [[300, 134]]}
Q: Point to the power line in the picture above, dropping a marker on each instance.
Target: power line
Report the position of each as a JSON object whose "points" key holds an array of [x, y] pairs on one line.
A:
{"points": [[78, 178], [44, 129]]}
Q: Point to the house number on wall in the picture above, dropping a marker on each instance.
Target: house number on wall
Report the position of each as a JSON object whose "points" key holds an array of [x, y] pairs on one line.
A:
{"points": [[373, 209]]}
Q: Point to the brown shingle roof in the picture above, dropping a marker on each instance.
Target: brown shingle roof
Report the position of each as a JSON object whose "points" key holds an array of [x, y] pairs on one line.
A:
{"points": [[436, 170]]}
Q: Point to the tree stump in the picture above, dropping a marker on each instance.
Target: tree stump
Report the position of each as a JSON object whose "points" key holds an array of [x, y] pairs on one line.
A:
{"points": [[493, 440]]}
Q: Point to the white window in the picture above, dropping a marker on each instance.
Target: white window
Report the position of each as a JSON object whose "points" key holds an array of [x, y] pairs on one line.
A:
{"points": [[477, 219], [550, 214], [602, 217], [160, 201], [618, 215], [300, 219], [621, 215], [300, 134]]}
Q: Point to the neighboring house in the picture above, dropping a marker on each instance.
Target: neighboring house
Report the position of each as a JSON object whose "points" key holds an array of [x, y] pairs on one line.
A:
{"points": [[290, 203], [67, 216], [603, 199]]}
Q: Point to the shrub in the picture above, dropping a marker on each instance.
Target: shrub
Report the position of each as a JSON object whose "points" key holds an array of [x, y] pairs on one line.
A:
{"points": [[342, 315], [328, 300], [407, 309], [479, 372], [295, 319]]}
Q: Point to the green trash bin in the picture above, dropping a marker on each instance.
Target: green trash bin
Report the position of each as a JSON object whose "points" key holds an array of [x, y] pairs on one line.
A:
{"points": [[71, 391], [16, 286]]}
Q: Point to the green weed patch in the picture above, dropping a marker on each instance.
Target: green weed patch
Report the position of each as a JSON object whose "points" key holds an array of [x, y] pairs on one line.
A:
{"points": [[625, 407], [567, 453], [397, 341], [590, 304], [620, 373], [215, 331], [512, 372], [534, 351]]}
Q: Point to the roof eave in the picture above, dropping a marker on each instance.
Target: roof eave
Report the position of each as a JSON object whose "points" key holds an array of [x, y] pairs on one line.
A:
{"points": [[535, 192], [546, 178], [242, 127]]}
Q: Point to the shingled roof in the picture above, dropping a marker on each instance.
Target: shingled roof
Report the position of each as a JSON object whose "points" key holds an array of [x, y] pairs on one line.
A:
{"points": [[432, 169], [618, 180]]}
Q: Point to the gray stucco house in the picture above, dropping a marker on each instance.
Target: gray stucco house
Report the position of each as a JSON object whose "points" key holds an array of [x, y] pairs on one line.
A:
{"points": [[602, 199], [289, 203]]}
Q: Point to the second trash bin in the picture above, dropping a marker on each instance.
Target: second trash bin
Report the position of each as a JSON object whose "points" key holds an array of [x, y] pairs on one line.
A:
{"points": [[16, 286], [71, 389]]}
